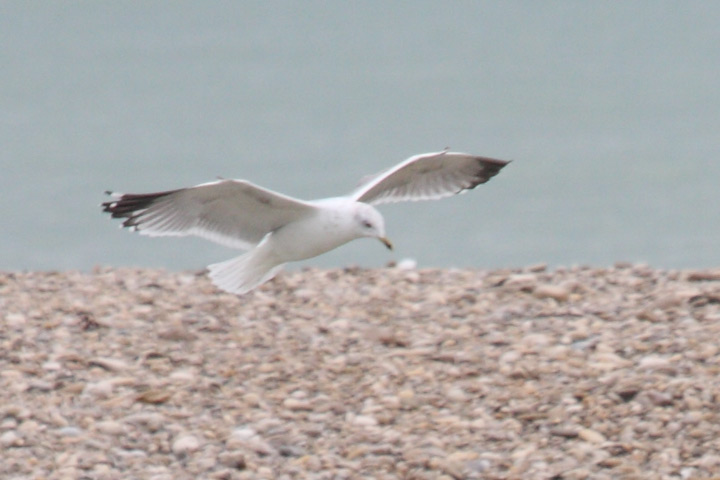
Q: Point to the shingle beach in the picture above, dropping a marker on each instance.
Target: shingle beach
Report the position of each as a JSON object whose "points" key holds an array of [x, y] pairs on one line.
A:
{"points": [[532, 373]]}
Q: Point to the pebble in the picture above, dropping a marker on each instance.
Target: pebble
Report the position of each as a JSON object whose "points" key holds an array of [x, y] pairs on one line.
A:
{"points": [[247, 439], [388, 373], [654, 362], [234, 459], [297, 404], [154, 396], [15, 320], [363, 420], [556, 292], [70, 431], [10, 439], [456, 394], [591, 436], [151, 421], [521, 281], [101, 389], [110, 427], [110, 364], [52, 365], [407, 264], [184, 445]]}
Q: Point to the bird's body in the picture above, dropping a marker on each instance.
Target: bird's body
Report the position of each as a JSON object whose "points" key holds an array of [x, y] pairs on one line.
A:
{"points": [[334, 220], [276, 229]]}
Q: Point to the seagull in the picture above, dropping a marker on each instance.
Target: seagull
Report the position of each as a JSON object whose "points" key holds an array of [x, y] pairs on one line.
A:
{"points": [[276, 229]]}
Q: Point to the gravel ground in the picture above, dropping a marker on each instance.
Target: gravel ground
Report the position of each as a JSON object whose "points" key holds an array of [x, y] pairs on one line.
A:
{"points": [[576, 373]]}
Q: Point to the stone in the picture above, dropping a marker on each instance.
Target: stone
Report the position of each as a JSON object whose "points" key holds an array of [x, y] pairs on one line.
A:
{"points": [[556, 292], [185, 444], [591, 436]]}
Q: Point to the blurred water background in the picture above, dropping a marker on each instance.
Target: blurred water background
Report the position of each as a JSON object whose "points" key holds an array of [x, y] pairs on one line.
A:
{"points": [[610, 112]]}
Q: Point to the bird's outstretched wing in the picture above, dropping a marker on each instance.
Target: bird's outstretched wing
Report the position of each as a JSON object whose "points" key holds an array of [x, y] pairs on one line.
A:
{"points": [[428, 176], [234, 213]]}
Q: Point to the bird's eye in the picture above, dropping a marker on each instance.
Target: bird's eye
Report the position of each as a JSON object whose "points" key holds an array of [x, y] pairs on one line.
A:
{"points": [[367, 224]]}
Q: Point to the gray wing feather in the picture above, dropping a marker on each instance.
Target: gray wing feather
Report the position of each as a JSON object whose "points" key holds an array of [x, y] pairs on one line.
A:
{"points": [[235, 213], [427, 177]]}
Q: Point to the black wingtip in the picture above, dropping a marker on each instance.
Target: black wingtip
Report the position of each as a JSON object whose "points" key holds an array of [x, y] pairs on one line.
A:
{"points": [[108, 206], [489, 167], [127, 203]]}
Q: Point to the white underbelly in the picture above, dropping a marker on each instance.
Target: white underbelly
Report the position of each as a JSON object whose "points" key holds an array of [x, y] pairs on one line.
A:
{"points": [[309, 238]]}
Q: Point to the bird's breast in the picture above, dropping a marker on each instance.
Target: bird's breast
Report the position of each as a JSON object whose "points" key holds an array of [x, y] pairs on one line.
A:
{"points": [[312, 236]]}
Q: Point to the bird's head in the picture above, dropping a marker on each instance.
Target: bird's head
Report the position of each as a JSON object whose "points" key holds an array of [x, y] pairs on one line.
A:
{"points": [[370, 223]]}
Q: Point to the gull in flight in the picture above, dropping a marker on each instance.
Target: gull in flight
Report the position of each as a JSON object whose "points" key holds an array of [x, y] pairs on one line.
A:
{"points": [[276, 229]]}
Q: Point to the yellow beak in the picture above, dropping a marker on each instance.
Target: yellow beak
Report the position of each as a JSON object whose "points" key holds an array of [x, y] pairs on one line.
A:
{"points": [[386, 242]]}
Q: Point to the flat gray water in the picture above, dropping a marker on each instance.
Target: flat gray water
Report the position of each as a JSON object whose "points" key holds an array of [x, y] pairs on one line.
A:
{"points": [[610, 111]]}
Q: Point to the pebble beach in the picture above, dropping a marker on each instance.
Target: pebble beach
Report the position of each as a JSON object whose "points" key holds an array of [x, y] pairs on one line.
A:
{"points": [[392, 373]]}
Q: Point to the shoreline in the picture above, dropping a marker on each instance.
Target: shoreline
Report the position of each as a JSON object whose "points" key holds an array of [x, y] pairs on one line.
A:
{"points": [[433, 373]]}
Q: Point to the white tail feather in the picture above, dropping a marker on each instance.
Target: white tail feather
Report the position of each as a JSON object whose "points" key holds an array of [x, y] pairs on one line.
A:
{"points": [[242, 274]]}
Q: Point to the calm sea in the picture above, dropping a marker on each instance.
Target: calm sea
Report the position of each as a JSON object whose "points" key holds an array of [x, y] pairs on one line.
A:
{"points": [[610, 111]]}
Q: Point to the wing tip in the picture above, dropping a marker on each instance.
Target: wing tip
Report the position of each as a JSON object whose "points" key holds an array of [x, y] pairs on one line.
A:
{"points": [[489, 167]]}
